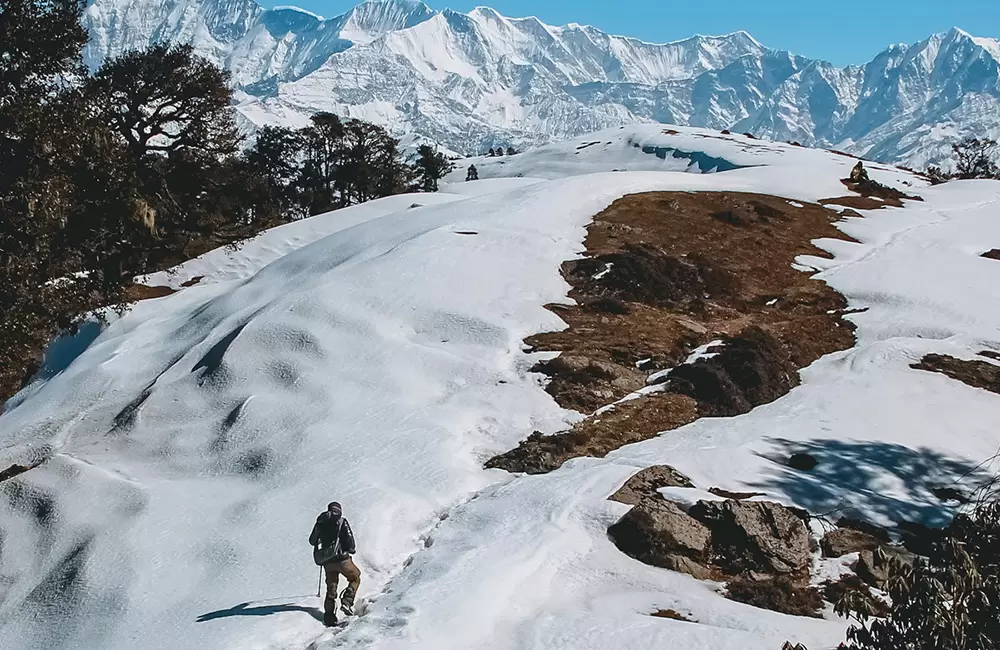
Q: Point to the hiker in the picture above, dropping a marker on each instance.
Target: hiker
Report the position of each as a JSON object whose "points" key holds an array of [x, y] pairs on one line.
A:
{"points": [[859, 174], [333, 546]]}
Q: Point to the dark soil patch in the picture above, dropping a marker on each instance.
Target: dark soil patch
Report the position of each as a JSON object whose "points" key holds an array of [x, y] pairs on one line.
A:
{"points": [[978, 374], [193, 281], [671, 614], [670, 271], [739, 496], [778, 594], [990, 354], [803, 462], [753, 368], [642, 273], [12, 471], [993, 254], [608, 306]]}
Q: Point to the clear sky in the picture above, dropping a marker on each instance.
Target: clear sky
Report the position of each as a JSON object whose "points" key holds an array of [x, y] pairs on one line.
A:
{"points": [[841, 31]]}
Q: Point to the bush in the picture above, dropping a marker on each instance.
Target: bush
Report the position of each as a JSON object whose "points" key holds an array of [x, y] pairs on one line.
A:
{"points": [[948, 600], [974, 158]]}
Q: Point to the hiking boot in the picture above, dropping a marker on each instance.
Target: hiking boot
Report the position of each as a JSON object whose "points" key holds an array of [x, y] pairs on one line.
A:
{"points": [[330, 617], [347, 602]]}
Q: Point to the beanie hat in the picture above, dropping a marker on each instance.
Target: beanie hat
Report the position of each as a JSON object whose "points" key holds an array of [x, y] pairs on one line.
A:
{"points": [[334, 509]]}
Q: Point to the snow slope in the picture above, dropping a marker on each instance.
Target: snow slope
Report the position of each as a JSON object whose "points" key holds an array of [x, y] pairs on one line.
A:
{"points": [[472, 81], [380, 363]]}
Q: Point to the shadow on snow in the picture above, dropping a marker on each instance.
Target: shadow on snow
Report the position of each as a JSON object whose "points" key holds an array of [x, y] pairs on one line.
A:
{"points": [[873, 480], [244, 609]]}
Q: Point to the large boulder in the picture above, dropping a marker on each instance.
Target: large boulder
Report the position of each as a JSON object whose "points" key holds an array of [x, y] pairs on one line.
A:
{"points": [[841, 541], [644, 486], [755, 537], [661, 534]]}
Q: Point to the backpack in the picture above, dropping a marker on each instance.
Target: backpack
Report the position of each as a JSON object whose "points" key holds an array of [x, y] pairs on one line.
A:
{"points": [[324, 554]]}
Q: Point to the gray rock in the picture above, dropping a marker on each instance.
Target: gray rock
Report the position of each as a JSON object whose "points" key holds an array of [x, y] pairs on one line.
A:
{"points": [[644, 485], [658, 533], [686, 565], [841, 541], [755, 536], [875, 566]]}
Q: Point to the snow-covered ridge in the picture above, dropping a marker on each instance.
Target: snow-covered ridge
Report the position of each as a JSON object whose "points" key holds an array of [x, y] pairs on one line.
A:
{"points": [[374, 355], [472, 81]]}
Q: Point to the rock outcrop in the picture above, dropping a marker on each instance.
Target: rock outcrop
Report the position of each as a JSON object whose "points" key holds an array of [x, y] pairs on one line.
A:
{"points": [[756, 537], [841, 541]]}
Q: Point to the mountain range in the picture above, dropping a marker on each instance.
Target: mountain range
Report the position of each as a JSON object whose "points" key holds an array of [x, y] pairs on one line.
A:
{"points": [[471, 81]]}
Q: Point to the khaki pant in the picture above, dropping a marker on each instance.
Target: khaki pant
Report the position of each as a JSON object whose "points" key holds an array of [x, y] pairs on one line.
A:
{"points": [[334, 570]]}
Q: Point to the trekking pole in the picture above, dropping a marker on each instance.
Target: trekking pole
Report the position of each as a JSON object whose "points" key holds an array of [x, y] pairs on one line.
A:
{"points": [[319, 588]]}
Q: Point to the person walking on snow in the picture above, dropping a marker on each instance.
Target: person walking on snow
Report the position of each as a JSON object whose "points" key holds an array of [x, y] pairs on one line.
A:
{"points": [[333, 545]]}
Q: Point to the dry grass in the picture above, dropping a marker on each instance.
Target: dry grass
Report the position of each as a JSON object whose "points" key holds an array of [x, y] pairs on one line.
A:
{"points": [[686, 268], [978, 374], [627, 423], [138, 292], [873, 196], [671, 614]]}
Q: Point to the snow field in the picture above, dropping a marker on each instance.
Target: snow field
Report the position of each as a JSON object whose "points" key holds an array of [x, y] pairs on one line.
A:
{"points": [[374, 356]]}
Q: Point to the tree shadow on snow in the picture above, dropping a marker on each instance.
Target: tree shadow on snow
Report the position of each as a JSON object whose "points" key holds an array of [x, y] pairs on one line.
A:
{"points": [[244, 609], [873, 480]]}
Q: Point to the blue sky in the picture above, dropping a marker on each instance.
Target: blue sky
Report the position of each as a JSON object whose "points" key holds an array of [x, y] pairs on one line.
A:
{"points": [[841, 31]]}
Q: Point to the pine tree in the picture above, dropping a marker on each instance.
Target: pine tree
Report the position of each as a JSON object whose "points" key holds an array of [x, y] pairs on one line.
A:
{"points": [[275, 163], [431, 167], [472, 174]]}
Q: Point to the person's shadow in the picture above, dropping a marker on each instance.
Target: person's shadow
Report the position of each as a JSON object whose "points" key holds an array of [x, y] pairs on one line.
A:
{"points": [[244, 609]]}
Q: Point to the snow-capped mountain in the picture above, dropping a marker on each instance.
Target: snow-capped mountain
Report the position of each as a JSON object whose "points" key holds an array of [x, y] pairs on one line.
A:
{"points": [[471, 81]]}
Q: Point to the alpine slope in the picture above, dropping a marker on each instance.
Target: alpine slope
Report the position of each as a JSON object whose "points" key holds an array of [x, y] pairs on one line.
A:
{"points": [[375, 356]]}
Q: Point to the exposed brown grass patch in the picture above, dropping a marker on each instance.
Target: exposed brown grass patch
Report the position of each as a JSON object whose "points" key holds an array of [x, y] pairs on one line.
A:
{"points": [[978, 374], [627, 423], [671, 614], [856, 202], [138, 292], [667, 272], [873, 195]]}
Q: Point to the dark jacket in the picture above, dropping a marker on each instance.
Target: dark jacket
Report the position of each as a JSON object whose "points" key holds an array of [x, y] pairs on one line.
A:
{"points": [[324, 533]]}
